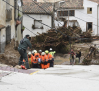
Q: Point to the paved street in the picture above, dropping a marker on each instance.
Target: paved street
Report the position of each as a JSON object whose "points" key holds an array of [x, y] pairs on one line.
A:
{"points": [[59, 78]]}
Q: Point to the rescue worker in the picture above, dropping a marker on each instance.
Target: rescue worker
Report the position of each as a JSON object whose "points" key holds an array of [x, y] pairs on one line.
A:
{"points": [[35, 61], [30, 59], [50, 58], [40, 52], [44, 61], [52, 52], [39, 60], [24, 44], [33, 52]]}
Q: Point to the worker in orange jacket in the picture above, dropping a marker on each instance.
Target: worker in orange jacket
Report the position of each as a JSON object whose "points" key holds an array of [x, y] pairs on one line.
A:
{"points": [[35, 61], [44, 61], [50, 58], [33, 52], [39, 60], [40, 52], [30, 60]]}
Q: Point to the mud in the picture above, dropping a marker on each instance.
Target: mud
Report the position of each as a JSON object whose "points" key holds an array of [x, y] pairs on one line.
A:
{"points": [[10, 56]]}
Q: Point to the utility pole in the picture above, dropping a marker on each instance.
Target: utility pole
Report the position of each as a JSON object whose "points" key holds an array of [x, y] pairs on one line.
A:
{"points": [[15, 1], [68, 17], [53, 16]]}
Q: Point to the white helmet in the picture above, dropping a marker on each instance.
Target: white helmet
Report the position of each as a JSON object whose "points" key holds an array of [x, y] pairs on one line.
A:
{"points": [[50, 49], [34, 51], [40, 50], [29, 53], [43, 53]]}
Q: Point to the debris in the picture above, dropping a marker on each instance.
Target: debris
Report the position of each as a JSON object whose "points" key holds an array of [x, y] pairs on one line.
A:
{"points": [[59, 40], [18, 67], [11, 56]]}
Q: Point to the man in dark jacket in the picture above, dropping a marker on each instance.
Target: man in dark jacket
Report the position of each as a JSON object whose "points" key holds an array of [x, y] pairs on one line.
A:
{"points": [[78, 55], [24, 44]]}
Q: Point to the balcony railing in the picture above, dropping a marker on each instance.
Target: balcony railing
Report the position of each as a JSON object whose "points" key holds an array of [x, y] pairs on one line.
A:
{"points": [[8, 14]]}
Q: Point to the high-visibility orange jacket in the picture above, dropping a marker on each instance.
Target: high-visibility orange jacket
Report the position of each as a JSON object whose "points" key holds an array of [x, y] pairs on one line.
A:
{"points": [[35, 59], [30, 59], [43, 58], [49, 56], [40, 56]]}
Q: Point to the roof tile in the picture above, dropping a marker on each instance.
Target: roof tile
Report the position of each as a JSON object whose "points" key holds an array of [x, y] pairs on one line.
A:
{"points": [[96, 1], [31, 7], [72, 4]]}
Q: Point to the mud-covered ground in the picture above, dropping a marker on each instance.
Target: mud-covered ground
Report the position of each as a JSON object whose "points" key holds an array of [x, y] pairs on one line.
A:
{"points": [[11, 56]]}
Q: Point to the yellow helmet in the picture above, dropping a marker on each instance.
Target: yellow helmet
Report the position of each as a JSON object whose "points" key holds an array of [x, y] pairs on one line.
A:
{"points": [[46, 51]]}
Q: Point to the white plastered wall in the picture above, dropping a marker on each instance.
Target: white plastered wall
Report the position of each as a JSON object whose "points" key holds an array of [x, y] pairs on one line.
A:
{"points": [[82, 17], [27, 22]]}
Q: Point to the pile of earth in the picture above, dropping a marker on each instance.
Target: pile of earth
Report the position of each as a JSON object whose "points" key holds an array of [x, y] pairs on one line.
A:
{"points": [[10, 56]]}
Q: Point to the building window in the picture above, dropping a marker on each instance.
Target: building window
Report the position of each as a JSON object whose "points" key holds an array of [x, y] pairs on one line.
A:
{"points": [[89, 10], [89, 26], [71, 13], [37, 24], [65, 13]]}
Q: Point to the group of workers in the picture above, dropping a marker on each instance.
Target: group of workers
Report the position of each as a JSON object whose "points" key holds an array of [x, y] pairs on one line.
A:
{"points": [[34, 59], [41, 59]]}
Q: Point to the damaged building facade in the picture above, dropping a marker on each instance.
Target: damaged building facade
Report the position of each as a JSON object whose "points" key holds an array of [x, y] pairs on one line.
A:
{"points": [[8, 29], [82, 13]]}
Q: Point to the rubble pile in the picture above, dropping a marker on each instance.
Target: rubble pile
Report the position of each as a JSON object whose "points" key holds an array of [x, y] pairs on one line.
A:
{"points": [[91, 55], [11, 56], [58, 39]]}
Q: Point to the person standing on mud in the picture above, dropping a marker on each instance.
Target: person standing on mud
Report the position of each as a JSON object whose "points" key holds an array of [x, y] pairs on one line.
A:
{"points": [[78, 54], [72, 55], [24, 44]]}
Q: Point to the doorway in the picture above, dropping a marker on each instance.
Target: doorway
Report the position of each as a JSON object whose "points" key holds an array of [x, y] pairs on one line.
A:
{"points": [[8, 34], [89, 26]]}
